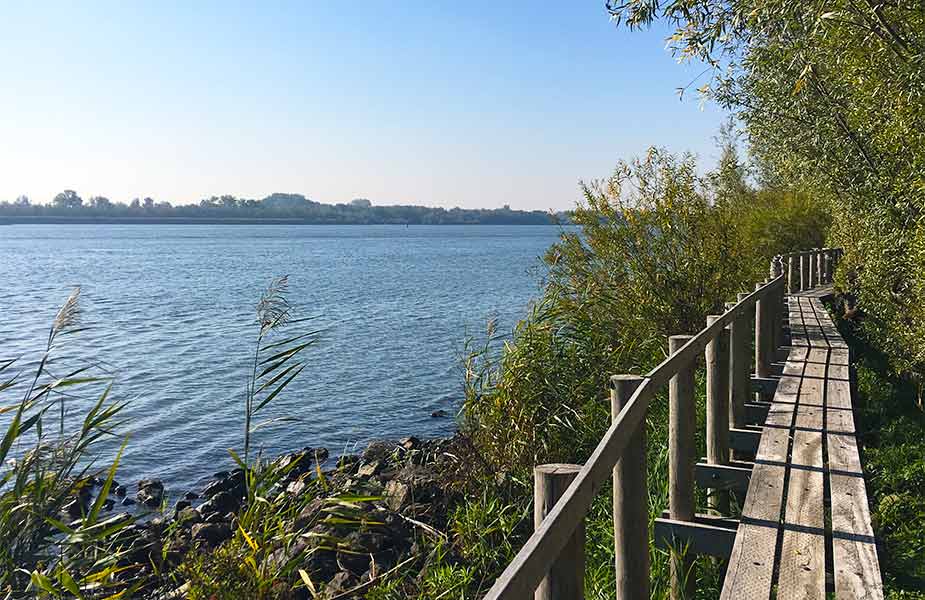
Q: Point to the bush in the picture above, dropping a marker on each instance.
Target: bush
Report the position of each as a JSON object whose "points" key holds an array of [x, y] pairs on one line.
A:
{"points": [[659, 248]]}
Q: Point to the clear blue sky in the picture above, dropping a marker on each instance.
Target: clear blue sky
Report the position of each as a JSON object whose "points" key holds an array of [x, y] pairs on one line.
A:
{"points": [[466, 104]]}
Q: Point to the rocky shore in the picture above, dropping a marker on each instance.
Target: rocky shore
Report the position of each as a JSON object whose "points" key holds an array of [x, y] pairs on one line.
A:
{"points": [[357, 520]]}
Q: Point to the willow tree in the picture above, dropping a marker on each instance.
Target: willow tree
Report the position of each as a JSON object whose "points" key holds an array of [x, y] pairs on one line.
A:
{"points": [[832, 96]]}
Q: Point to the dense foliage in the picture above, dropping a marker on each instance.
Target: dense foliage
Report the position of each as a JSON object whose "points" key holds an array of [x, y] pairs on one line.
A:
{"points": [[660, 247], [832, 94], [68, 206]]}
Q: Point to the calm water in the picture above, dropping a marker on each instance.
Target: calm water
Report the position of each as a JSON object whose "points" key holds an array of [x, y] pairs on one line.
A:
{"points": [[171, 312]]}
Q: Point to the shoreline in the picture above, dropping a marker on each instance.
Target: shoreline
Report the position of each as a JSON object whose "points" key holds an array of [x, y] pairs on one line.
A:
{"points": [[394, 492], [234, 221]]}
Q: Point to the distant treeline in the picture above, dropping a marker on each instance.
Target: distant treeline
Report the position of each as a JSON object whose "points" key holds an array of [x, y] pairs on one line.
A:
{"points": [[68, 206]]}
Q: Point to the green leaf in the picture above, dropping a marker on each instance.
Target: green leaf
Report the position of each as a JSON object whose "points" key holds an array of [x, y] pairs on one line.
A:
{"points": [[41, 581], [279, 388], [104, 491], [65, 579]]}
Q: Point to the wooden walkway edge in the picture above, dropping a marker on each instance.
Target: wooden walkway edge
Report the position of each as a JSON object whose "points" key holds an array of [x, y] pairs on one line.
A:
{"points": [[781, 433], [806, 513]]}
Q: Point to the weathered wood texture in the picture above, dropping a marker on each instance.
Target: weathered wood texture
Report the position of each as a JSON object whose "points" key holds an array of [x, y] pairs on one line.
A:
{"points": [[531, 564], [787, 521], [630, 502], [566, 577], [806, 445]]}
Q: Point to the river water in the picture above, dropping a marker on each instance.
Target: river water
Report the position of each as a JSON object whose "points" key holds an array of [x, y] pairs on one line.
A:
{"points": [[170, 312]]}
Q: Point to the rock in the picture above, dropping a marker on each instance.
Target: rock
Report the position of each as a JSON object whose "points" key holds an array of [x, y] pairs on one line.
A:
{"points": [[151, 483], [409, 443], [179, 506], [369, 469], [188, 517], [191, 496], [127, 501], [296, 487], [381, 451], [308, 515], [120, 491], [215, 487], [211, 533], [221, 475], [150, 492], [221, 502], [397, 494], [345, 462], [438, 414], [343, 581], [74, 509], [353, 562], [232, 483], [108, 504], [213, 518]]}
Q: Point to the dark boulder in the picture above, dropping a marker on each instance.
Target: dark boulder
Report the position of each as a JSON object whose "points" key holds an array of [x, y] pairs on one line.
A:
{"points": [[150, 492], [212, 534], [221, 502]]}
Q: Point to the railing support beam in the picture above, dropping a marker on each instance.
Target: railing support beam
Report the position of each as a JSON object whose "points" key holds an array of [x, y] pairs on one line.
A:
{"points": [[740, 368], [717, 361], [681, 460], [565, 579], [630, 502]]}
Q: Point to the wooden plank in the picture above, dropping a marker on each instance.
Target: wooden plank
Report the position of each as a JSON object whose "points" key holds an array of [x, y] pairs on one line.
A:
{"points": [[751, 565], [854, 550], [722, 477], [802, 564], [699, 538]]}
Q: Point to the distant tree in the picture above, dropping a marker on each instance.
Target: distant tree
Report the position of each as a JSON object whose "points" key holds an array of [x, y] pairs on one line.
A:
{"points": [[68, 199], [100, 202], [361, 203], [148, 203], [136, 204], [278, 200], [22, 201]]}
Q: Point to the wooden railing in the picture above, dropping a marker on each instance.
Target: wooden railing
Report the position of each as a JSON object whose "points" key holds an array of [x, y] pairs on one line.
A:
{"points": [[550, 565]]}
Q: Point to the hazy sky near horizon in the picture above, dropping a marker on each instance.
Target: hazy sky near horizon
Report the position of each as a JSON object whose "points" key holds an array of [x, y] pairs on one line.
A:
{"points": [[472, 104]]}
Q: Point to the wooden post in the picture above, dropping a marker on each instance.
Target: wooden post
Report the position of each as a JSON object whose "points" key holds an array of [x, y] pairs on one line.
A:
{"points": [[792, 276], [717, 360], [681, 460], [804, 271], [739, 369], [630, 502], [820, 269], [777, 300], [812, 269], [762, 334], [565, 579]]}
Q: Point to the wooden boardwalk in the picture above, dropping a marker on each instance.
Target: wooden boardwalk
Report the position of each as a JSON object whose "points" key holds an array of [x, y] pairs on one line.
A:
{"points": [[804, 531], [805, 523]]}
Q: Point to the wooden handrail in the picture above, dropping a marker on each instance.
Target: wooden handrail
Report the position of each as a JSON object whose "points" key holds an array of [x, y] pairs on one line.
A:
{"points": [[524, 573], [543, 549]]}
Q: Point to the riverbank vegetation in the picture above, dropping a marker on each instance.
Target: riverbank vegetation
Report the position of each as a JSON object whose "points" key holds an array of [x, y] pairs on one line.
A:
{"points": [[69, 207]]}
